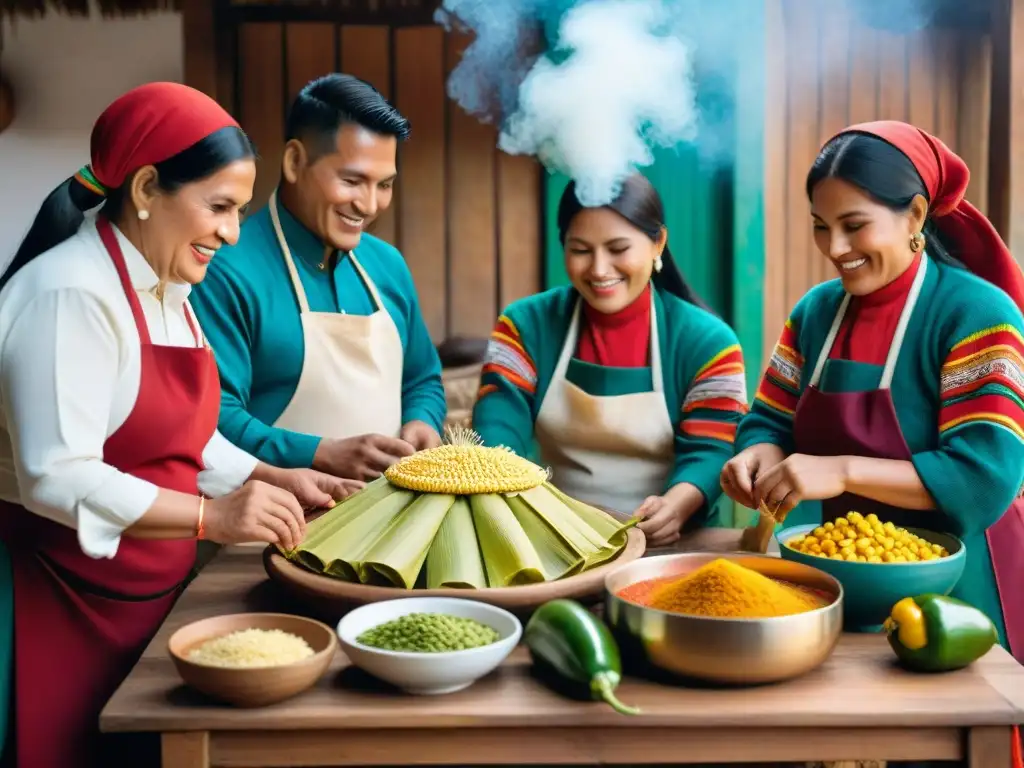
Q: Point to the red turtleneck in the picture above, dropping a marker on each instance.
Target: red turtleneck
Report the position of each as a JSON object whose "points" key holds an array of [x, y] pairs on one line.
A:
{"points": [[618, 340], [870, 323]]}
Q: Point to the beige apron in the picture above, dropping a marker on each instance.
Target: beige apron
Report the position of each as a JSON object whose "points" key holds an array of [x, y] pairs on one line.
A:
{"points": [[609, 451], [351, 381]]}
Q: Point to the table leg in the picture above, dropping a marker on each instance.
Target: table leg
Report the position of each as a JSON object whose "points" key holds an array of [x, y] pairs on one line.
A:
{"points": [[185, 750], [989, 747]]}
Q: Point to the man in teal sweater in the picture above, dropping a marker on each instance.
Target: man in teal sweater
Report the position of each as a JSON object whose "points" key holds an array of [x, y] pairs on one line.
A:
{"points": [[324, 357]]}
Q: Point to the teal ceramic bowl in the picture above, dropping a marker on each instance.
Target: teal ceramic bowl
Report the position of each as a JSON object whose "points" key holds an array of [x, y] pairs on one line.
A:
{"points": [[872, 589]]}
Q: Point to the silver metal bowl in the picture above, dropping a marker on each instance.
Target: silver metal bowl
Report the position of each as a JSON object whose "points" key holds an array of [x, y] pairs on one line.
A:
{"points": [[730, 651]]}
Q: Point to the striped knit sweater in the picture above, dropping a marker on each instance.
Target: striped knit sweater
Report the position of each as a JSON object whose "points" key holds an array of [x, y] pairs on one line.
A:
{"points": [[958, 388], [702, 372]]}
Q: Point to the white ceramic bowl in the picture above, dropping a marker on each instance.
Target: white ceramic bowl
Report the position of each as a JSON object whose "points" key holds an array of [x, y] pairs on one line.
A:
{"points": [[429, 673]]}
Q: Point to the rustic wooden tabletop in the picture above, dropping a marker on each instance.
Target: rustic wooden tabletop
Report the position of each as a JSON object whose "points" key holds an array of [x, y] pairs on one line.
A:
{"points": [[858, 705]]}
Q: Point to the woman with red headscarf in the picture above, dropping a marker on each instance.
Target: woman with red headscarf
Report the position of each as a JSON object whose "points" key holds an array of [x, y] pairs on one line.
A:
{"points": [[898, 388], [109, 399]]}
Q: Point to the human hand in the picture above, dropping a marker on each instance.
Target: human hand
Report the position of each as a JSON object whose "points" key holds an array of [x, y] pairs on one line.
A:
{"points": [[742, 470], [798, 478], [258, 511], [361, 458], [420, 435], [315, 490], [663, 517]]}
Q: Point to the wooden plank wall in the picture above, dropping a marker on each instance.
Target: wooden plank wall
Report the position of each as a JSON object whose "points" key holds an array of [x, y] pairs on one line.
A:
{"points": [[938, 79], [466, 216]]}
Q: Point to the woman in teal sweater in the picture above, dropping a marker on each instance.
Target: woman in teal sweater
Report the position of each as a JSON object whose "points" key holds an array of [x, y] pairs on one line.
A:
{"points": [[631, 389], [898, 388]]}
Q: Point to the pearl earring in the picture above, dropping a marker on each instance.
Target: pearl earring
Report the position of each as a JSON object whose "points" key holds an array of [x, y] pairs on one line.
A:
{"points": [[143, 215], [658, 263]]}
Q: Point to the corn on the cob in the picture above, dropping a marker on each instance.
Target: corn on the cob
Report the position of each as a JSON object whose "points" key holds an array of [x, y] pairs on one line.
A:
{"points": [[465, 467]]}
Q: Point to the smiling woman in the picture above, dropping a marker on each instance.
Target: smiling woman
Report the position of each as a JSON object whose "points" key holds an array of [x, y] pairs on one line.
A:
{"points": [[109, 397], [630, 387], [898, 388]]}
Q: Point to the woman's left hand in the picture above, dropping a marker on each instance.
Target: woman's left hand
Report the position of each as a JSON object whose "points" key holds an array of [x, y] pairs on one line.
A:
{"points": [[663, 517], [315, 490], [801, 478]]}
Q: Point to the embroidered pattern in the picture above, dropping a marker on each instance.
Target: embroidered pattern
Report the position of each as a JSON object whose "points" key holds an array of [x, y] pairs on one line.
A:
{"points": [[780, 386], [982, 380], [506, 357], [716, 430], [720, 384]]}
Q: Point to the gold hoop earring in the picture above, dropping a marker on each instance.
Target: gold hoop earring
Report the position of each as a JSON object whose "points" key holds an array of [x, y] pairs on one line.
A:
{"points": [[917, 242]]}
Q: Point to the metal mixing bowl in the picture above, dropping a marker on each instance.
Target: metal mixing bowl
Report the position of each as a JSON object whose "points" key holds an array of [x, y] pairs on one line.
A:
{"points": [[731, 651]]}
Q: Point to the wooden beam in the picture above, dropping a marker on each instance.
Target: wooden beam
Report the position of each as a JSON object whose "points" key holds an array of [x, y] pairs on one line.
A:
{"points": [[1006, 166], [199, 38]]}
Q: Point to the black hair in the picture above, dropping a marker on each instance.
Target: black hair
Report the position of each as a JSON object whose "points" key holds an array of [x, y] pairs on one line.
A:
{"points": [[883, 172], [330, 101], [640, 204], [62, 212]]}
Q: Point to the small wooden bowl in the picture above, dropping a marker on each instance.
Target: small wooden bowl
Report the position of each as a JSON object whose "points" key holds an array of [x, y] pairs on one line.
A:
{"points": [[253, 686]]}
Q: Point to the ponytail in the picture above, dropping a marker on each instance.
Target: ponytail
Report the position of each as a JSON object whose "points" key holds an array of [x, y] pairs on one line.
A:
{"points": [[59, 217]]}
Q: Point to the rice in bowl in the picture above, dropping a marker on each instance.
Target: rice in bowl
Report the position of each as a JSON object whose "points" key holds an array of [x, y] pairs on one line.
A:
{"points": [[251, 648]]}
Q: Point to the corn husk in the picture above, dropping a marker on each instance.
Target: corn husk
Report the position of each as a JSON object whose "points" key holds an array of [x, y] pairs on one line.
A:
{"points": [[454, 559], [559, 559], [398, 554], [509, 555], [325, 526], [341, 554]]}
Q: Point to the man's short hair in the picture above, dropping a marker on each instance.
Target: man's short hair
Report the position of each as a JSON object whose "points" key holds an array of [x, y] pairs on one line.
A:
{"points": [[325, 104]]}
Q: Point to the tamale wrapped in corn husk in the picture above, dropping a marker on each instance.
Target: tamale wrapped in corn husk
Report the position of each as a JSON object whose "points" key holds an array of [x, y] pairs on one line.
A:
{"points": [[454, 559], [342, 553], [461, 515], [400, 550], [509, 555], [558, 558]]}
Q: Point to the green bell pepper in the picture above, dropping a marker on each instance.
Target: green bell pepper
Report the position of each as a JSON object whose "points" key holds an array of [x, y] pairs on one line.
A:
{"points": [[936, 633]]}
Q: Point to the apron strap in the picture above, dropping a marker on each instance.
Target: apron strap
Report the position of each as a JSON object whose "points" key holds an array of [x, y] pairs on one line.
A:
{"points": [[109, 239], [829, 341], [275, 219], [657, 383], [897, 341], [901, 327], [370, 286]]}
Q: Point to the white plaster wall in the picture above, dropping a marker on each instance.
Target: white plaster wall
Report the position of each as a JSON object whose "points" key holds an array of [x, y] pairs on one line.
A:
{"points": [[64, 71]]}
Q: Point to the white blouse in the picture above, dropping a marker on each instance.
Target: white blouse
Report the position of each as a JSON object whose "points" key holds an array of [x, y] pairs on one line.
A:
{"points": [[69, 378]]}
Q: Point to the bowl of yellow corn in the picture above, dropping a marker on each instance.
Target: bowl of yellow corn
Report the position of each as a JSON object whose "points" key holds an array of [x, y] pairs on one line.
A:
{"points": [[877, 562]]}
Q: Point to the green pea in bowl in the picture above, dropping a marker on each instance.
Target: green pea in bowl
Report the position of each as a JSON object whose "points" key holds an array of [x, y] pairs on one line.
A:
{"points": [[421, 654], [872, 589]]}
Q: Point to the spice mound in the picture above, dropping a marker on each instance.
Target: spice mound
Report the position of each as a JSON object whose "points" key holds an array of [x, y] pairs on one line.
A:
{"points": [[429, 633], [866, 539], [724, 589], [248, 648]]}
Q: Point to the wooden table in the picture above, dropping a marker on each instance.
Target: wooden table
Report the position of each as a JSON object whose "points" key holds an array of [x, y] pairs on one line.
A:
{"points": [[858, 706]]}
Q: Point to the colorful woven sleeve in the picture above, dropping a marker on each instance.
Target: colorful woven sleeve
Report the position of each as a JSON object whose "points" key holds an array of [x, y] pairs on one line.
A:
{"points": [[712, 407], [978, 467], [771, 415], [503, 414]]}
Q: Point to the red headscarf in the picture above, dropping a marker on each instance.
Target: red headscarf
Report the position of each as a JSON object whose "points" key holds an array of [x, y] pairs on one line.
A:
{"points": [[973, 238], [148, 125]]}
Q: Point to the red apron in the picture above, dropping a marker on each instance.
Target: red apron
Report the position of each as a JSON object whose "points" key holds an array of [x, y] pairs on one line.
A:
{"points": [[81, 623], [865, 424]]}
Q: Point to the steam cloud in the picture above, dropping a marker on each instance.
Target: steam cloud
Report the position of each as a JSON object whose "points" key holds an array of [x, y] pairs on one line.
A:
{"points": [[593, 87]]}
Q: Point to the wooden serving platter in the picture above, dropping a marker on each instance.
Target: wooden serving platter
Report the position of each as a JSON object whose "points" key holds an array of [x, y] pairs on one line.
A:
{"points": [[329, 596]]}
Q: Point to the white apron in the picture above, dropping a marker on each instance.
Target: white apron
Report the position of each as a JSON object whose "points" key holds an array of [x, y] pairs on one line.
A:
{"points": [[609, 451], [351, 381]]}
